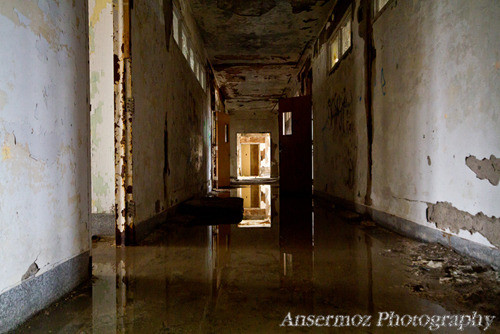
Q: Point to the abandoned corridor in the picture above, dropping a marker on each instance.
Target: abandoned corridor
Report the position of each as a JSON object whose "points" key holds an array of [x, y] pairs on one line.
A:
{"points": [[368, 129]]}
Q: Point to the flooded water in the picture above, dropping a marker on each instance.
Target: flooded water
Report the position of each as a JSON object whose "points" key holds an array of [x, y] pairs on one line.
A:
{"points": [[287, 258]]}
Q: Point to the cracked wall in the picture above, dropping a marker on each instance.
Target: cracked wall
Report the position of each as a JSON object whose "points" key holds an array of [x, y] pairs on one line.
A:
{"points": [[171, 126], [102, 105], [435, 103], [44, 137]]}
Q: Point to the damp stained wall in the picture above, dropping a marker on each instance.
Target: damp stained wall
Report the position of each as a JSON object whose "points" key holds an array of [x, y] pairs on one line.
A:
{"points": [[435, 103], [102, 105], [173, 165], [253, 122], [44, 136]]}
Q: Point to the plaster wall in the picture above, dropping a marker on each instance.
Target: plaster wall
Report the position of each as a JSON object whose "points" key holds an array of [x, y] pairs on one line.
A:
{"points": [[435, 103], [171, 126], [253, 122], [44, 137], [339, 122], [102, 105]]}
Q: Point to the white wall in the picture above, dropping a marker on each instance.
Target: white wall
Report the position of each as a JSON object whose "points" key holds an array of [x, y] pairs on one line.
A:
{"points": [[44, 136], [435, 102], [171, 125], [102, 103], [440, 100]]}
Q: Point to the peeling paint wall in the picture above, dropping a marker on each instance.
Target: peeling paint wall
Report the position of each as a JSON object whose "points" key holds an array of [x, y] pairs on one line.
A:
{"points": [[171, 166], [102, 104], [256, 122], [435, 103], [44, 137]]}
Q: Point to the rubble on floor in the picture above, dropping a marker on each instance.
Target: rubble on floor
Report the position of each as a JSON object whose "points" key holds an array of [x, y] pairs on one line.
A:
{"points": [[435, 268]]}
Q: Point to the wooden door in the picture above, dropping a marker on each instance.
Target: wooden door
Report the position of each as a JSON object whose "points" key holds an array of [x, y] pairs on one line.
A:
{"points": [[295, 145], [222, 170]]}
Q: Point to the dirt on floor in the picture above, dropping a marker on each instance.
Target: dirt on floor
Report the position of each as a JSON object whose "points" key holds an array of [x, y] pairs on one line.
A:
{"points": [[440, 274]]}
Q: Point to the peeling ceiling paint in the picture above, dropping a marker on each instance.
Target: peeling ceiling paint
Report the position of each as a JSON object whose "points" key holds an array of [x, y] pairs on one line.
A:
{"points": [[255, 45]]}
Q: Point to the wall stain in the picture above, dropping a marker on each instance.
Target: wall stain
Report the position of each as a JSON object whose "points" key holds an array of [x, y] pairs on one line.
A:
{"points": [[382, 81]]}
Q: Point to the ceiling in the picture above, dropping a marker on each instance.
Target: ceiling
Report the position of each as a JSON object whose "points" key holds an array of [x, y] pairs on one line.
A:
{"points": [[255, 45]]}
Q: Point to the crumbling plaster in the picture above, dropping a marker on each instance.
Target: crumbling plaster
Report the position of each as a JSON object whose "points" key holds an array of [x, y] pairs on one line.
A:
{"points": [[167, 97], [435, 85], [255, 46], [44, 136]]}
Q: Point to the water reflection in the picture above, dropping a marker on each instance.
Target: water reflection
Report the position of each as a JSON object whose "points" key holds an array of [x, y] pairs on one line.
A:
{"points": [[296, 248], [256, 205], [209, 279]]}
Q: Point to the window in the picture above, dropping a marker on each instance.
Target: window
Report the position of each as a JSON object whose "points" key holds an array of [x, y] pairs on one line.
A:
{"points": [[191, 59], [182, 39], [346, 36], [287, 123], [341, 40], [185, 50], [379, 5], [334, 51], [175, 27], [202, 79], [226, 133]]}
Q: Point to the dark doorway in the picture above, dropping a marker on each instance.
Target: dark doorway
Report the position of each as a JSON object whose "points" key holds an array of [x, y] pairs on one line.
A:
{"points": [[295, 145]]}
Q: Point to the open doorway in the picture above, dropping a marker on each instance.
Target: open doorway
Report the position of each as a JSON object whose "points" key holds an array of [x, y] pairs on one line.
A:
{"points": [[254, 155]]}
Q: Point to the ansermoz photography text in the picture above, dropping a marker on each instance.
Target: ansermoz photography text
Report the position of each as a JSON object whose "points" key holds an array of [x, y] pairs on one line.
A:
{"points": [[392, 319]]}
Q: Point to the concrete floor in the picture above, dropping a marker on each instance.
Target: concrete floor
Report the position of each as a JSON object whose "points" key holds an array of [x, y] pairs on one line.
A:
{"points": [[312, 260]]}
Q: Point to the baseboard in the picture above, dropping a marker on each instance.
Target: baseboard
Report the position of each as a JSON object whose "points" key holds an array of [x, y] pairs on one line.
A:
{"points": [[33, 295], [144, 228], [103, 224], [408, 228]]}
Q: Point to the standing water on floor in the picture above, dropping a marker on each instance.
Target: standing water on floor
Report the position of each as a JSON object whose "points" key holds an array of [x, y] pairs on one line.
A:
{"points": [[287, 260]]}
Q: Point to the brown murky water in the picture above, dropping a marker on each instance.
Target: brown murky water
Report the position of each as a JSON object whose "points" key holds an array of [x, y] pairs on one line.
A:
{"points": [[289, 256]]}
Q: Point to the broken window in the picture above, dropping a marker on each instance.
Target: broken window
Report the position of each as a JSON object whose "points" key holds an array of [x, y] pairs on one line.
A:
{"points": [[175, 27], [287, 123]]}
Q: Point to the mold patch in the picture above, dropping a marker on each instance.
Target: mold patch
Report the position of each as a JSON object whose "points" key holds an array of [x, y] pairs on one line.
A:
{"points": [[445, 215], [485, 169]]}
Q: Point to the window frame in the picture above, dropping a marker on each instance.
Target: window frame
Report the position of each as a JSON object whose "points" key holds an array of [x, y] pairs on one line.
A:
{"points": [[185, 45], [286, 117], [377, 11], [337, 35], [175, 26]]}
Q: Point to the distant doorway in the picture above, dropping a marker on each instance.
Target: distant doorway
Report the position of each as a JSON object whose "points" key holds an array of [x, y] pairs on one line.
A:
{"points": [[254, 155]]}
